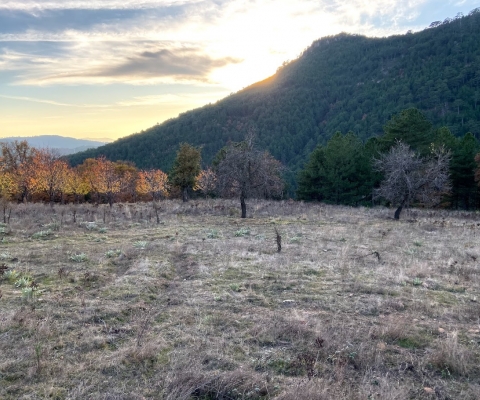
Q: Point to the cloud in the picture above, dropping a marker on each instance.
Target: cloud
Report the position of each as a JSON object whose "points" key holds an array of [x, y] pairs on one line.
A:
{"points": [[52, 102], [155, 65], [144, 41]]}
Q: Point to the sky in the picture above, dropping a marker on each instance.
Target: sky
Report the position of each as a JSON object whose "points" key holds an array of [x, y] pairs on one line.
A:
{"points": [[104, 69]]}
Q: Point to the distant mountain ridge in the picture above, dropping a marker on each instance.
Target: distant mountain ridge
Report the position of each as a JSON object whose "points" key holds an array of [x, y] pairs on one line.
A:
{"points": [[64, 145], [344, 82]]}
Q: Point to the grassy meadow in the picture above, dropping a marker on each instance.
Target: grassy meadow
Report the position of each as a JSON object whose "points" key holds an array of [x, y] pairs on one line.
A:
{"points": [[106, 303]]}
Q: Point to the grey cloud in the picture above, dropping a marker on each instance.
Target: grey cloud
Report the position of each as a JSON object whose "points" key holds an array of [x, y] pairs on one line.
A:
{"points": [[183, 63]]}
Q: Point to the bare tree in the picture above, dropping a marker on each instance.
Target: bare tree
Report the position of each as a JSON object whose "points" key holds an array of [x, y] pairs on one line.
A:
{"points": [[246, 172], [409, 177]]}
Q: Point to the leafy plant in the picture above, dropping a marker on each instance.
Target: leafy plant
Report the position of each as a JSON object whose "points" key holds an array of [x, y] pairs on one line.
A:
{"points": [[140, 244], [213, 234], [90, 226], [296, 239], [417, 282], [113, 253], [45, 234], [242, 232], [30, 292], [23, 282], [54, 226], [82, 257], [12, 275], [235, 287]]}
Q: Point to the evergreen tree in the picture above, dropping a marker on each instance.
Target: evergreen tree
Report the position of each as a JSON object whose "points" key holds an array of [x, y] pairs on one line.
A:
{"points": [[338, 173], [185, 169], [410, 127], [462, 171], [311, 178]]}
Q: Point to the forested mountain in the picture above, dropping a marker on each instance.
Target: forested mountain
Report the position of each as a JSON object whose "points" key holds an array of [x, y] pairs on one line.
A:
{"points": [[340, 83]]}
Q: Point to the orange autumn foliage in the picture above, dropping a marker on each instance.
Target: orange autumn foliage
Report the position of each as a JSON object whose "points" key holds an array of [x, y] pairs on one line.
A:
{"points": [[153, 182]]}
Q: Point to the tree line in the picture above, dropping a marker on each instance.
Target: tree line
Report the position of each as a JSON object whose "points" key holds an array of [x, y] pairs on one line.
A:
{"points": [[30, 174], [348, 171], [411, 163]]}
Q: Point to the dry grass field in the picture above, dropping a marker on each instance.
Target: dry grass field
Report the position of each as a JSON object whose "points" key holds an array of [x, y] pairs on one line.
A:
{"points": [[100, 303]]}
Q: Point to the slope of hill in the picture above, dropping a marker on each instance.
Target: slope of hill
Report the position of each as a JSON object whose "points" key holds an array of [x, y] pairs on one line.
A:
{"points": [[345, 82], [64, 145]]}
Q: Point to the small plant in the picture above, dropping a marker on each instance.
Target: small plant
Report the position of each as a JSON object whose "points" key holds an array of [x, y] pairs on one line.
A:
{"points": [[235, 287], [90, 226], [102, 230], [82, 257], [213, 234], [242, 232], [417, 244], [140, 244], [30, 293], [53, 226], [43, 234], [417, 282], [295, 239], [12, 275], [23, 282], [113, 253]]}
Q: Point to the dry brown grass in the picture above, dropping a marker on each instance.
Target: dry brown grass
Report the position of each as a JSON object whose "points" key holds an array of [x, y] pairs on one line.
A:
{"points": [[201, 306]]}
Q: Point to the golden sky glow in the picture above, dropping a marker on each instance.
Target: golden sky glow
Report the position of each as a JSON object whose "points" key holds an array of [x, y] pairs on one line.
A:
{"points": [[109, 68]]}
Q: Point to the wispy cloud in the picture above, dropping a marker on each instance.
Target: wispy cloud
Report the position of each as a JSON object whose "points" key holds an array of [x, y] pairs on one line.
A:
{"points": [[52, 102]]}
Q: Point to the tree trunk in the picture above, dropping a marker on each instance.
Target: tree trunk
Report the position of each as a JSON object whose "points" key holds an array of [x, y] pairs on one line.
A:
{"points": [[399, 210], [243, 205], [185, 194]]}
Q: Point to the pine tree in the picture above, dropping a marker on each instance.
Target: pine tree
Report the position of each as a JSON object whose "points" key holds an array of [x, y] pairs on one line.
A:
{"points": [[462, 171], [185, 168], [410, 127]]}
